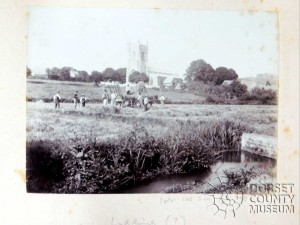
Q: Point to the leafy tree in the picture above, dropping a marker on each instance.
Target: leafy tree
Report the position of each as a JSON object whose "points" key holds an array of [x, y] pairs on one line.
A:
{"points": [[96, 77], [121, 75], [48, 72], [137, 77], [108, 74], [83, 76], [199, 70], [65, 73], [237, 89], [28, 72], [115, 75], [55, 71], [222, 73], [53, 74]]}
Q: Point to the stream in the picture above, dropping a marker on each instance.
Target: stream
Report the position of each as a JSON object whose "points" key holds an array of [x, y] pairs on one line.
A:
{"points": [[229, 160]]}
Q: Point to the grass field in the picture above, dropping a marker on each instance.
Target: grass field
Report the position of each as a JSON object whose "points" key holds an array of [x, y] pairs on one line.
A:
{"points": [[100, 149], [46, 89], [44, 122]]}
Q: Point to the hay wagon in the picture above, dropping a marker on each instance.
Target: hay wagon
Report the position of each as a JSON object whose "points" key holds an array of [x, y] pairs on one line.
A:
{"points": [[129, 100]]}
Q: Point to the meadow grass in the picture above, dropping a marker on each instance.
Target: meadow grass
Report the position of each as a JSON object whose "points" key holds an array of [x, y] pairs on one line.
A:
{"points": [[91, 166], [44, 122], [102, 149], [46, 89]]}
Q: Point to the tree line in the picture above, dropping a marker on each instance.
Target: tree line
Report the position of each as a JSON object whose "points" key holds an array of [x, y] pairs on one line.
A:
{"points": [[200, 78], [201, 71], [70, 74], [203, 79], [109, 74]]}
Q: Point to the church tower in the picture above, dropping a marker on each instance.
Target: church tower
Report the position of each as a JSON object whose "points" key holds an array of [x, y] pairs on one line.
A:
{"points": [[137, 59]]}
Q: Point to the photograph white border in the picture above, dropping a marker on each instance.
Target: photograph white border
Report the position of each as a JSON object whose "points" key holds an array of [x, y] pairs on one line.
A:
{"points": [[19, 207]]}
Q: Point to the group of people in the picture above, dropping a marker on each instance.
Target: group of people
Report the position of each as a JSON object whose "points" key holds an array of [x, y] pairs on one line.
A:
{"points": [[77, 100], [115, 100]]}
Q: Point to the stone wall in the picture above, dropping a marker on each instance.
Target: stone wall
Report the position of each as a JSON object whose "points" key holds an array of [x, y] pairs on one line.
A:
{"points": [[260, 144]]}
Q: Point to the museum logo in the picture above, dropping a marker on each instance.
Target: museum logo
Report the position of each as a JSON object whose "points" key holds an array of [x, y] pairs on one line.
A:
{"points": [[271, 198]]}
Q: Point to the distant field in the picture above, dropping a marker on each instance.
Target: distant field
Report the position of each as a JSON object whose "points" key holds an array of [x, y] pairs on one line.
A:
{"points": [[44, 122], [46, 89]]}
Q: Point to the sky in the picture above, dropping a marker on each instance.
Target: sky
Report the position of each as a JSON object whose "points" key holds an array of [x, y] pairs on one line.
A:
{"points": [[94, 39]]}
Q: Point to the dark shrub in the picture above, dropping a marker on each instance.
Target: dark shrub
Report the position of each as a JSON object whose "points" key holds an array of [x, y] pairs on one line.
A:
{"points": [[53, 77], [44, 166], [264, 96]]}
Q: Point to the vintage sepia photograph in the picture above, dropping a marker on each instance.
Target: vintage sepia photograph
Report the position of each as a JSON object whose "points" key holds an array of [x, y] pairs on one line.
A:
{"points": [[139, 101]]}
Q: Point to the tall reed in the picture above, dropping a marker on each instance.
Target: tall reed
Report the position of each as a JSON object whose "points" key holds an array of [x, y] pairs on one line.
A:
{"points": [[110, 165]]}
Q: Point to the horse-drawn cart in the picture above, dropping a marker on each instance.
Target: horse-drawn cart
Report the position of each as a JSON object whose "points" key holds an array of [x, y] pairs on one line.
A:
{"points": [[129, 99]]}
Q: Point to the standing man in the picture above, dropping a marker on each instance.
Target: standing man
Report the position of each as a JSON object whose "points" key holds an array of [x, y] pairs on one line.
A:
{"points": [[146, 101], [113, 98], [162, 100], [56, 99], [105, 98], [140, 100], [82, 100], [128, 89], [76, 99]]}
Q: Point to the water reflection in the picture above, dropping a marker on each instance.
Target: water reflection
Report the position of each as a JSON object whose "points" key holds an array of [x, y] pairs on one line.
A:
{"points": [[229, 160], [243, 157]]}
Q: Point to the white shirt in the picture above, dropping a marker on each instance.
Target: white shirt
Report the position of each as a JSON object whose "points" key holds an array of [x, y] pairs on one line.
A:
{"points": [[146, 101], [113, 95], [81, 99], [56, 96]]}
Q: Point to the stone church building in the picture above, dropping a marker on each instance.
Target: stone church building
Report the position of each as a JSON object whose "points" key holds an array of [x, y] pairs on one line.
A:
{"points": [[138, 61]]}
